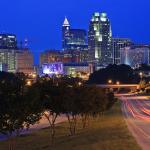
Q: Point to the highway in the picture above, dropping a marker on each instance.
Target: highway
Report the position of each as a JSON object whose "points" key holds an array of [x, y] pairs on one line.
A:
{"points": [[136, 110]]}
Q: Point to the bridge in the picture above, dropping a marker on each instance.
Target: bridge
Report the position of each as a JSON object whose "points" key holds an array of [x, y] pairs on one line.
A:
{"points": [[118, 86]]}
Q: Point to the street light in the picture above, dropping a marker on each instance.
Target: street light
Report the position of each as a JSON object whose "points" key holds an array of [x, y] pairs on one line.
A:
{"points": [[79, 83], [118, 83], [141, 75], [34, 75], [110, 81], [29, 83]]}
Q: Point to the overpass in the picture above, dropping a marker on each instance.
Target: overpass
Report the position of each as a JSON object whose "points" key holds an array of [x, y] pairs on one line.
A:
{"points": [[117, 86]]}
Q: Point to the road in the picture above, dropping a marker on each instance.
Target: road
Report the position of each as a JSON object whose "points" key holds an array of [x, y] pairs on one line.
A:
{"points": [[43, 123], [137, 115]]}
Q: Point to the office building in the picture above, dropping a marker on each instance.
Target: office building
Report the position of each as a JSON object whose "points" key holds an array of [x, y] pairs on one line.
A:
{"points": [[8, 41], [82, 70], [3, 67], [24, 61], [135, 55], [8, 50], [117, 45], [99, 40], [73, 39], [51, 56], [75, 56], [8, 57]]}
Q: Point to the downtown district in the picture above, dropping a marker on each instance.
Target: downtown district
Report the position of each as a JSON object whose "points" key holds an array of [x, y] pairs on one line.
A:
{"points": [[82, 52]]}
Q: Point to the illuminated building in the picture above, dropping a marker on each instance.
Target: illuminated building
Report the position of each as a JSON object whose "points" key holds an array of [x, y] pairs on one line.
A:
{"points": [[52, 68], [73, 39], [16, 60], [99, 39], [67, 56], [77, 69], [74, 44], [82, 70], [135, 55], [118, 44], [8, 57], [8, 51], [8, 41], [75, 56], [3, 67], [51, 56], [24, 61]]}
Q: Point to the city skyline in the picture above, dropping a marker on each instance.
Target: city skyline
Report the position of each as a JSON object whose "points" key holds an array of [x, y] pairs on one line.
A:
{"points": [[41, 22]]}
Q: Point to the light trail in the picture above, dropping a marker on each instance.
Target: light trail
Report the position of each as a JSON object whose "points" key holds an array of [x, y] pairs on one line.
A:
{"points": [[137, 115]]}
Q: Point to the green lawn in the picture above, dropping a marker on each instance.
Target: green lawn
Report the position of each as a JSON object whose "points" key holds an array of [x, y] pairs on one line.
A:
{"points": [[105, 133]]}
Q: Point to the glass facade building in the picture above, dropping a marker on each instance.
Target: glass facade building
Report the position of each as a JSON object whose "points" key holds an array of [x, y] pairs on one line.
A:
{"points": [[99, 39], [117, 45], [135, 55], [73, 39], [8, 57], [8, 41]]}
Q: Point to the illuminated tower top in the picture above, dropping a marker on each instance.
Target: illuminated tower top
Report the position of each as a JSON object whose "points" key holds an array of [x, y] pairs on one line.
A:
{"points": [[66, 22]]}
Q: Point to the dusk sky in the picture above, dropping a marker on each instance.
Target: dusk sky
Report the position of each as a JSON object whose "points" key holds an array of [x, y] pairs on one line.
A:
{"points": [[40, 20]]}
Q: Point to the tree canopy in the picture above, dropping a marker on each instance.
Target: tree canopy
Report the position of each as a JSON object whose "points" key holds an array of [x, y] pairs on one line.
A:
{"points": [[122, 73]]}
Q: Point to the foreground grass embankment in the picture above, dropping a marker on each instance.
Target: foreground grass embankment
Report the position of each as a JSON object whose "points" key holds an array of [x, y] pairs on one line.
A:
{"points": [[105, 133]]}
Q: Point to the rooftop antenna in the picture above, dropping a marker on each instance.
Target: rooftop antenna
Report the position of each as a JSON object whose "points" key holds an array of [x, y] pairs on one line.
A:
{"points": [[21, 44], [26, 43]]}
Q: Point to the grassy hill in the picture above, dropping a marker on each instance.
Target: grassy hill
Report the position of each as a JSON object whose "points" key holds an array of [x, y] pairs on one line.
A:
{"points": [[104, 133]]}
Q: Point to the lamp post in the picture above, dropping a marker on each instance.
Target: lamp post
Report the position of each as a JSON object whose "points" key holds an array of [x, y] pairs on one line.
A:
{"points": [[110, 81], [79, 83], [29, 83], [118, 83], [141, 75]]}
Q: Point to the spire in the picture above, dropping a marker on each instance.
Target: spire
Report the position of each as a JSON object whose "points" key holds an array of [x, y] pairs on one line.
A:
{"points": [[66, 22]]}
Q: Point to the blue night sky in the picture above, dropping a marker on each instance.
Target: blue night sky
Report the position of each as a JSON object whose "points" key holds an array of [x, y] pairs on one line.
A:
{"points": [[40, 20]]}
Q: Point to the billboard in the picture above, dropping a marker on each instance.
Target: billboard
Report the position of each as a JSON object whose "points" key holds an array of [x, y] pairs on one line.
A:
{"points": [[52, 68]]}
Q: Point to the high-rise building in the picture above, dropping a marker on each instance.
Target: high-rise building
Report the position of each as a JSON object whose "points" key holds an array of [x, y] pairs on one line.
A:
{"points": [[8, 41], [16, 60], [135, 55], [8, 50], [24, 61], [117, 45], [99, 39], [8, 57], [3, 67], [73, 39]]}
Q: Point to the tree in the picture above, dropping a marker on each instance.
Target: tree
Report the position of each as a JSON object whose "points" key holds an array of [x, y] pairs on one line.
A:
{"points": [[15, 114], [122, 73], [92, 101], [71, 107], [51, 102]]}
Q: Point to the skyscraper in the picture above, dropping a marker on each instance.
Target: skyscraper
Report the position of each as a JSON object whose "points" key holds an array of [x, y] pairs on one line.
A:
{"points": [[73, 39], [99, 39], [8, 57], [65, 33], [8, 41], [117, 45], [15, 59]]}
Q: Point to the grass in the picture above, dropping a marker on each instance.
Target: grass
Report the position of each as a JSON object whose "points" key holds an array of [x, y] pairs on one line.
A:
{"points": [[104, 133]]}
